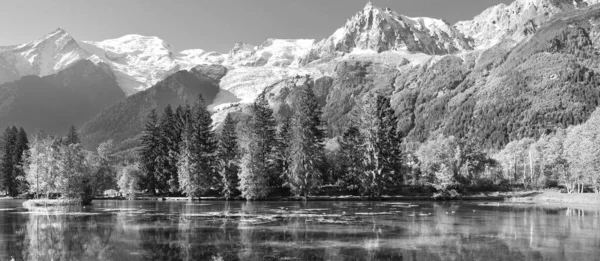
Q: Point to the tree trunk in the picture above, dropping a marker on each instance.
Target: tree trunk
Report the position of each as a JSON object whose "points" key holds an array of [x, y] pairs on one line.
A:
{"points": [[531, 167]]}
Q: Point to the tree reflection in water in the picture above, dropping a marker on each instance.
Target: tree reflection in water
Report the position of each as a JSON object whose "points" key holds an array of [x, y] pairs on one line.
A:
{"points": [[276, 231], [58, 236]]}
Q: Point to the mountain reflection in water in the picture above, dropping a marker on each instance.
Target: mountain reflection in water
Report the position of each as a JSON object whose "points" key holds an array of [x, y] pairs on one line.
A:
{"points": [[144, 230]]}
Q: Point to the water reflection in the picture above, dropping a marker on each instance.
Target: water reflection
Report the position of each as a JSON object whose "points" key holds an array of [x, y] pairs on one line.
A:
{"points": [[130, 230]]}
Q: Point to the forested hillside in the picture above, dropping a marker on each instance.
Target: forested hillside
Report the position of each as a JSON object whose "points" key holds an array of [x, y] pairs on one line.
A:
{"points": [[125, 120]]}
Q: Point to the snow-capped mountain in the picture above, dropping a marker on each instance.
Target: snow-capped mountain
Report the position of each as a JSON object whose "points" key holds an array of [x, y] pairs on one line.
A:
{"points": [[273, 52], [47, 55], [140, 61], [515, 21], [379, 30]]}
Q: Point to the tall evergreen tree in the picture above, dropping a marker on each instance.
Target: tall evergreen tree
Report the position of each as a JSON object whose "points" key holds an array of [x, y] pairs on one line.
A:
{"points": [[381, 146], [72, 137], [204, 147], [183, 115], [9, 142], [186, 165], [168, 152], [229, 156], [351, 157], [256, 179], [21, 147], [149, 152], [282, 158], [306, 148]]}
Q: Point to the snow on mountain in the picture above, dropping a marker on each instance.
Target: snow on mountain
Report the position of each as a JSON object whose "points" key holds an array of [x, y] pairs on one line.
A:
{"points": [[141, 61], [137, 61], [516, 21], [273, 52], [44, 56], [190, 58], [380, 30]]}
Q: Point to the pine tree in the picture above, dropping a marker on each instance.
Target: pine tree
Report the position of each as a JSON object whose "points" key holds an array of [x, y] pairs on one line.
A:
{"points": [[168, 152], [351, 156], [21, 147], [306, 148], [183, 115], [9, 142], [257, 178], [282, 159], [149, 152], [381, 146], [186, 166], [229, 156], [204, 147], [72, 137]]}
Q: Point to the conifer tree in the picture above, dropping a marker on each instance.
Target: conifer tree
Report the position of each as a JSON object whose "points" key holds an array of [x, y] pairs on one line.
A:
{"points": [[203, 147], [256, 179], [352, 155], [282, 159], [306, 148], [21, 147], [381, 146], [168, 152], [229, 156], [186, 166], [149, 152], [72, 137], [9, 142]]}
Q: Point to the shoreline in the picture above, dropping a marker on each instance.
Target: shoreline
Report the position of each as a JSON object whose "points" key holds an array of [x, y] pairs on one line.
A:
{"points": [[538, 197], [482, 196]]}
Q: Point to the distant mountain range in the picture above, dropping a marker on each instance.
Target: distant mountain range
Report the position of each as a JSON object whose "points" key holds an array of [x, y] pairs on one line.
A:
{"points": [[514, 70]]}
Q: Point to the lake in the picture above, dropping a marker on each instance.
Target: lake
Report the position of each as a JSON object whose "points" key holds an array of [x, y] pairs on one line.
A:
{"points": [[216, 230]]}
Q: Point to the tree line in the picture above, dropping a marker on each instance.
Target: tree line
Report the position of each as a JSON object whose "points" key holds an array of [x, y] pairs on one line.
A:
{"points": [[181, 153], [570, 157], [51, 166]]}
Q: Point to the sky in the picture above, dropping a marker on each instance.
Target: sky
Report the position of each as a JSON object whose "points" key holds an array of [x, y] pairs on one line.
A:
{"points": [[212, 25]]}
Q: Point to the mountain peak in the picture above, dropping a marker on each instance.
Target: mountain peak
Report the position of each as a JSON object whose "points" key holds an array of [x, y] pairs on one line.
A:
{"points": [[516, 21], [58, 33], [59, 30], [381, 30]]}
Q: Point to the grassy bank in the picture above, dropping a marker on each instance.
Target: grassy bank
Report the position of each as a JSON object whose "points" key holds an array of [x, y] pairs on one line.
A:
{"points": [[563, 198], [51, 202]]}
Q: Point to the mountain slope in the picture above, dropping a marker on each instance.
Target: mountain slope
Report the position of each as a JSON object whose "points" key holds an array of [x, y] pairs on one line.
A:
{"points": [[53, 103], [547, 81], [125, 120]]}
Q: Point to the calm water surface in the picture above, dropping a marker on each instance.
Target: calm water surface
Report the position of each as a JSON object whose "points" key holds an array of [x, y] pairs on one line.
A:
{"points": [[144, 230]]}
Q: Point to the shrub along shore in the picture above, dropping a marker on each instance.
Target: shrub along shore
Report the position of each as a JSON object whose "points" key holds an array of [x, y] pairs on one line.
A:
{"points": [[52, 202]]}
